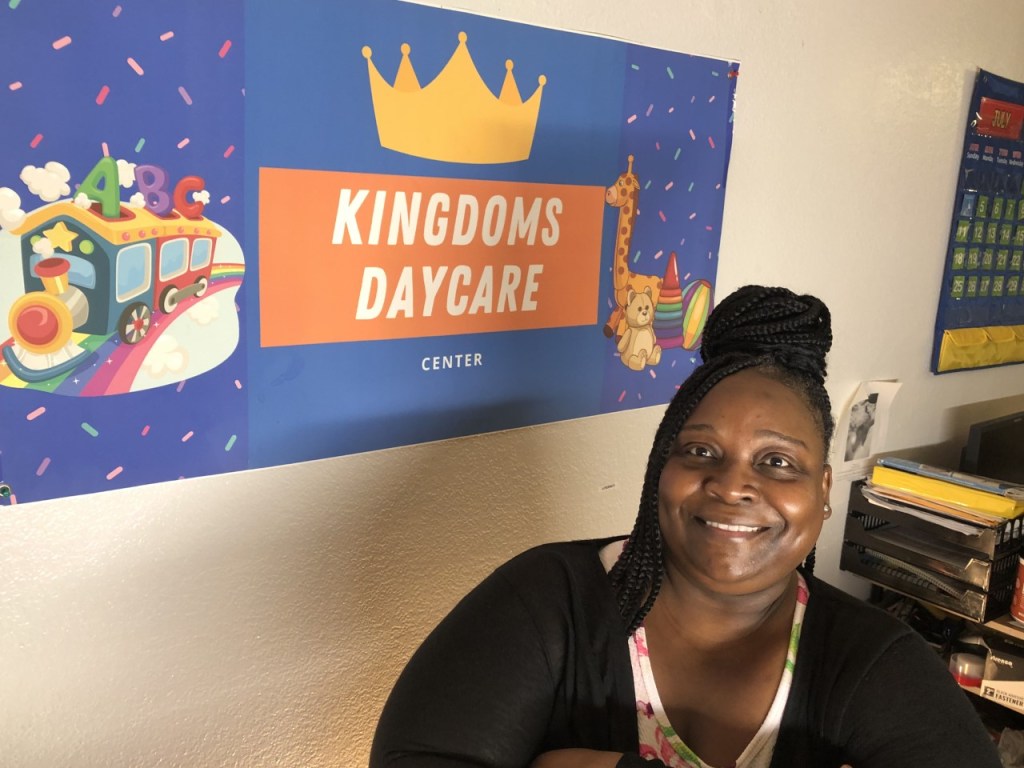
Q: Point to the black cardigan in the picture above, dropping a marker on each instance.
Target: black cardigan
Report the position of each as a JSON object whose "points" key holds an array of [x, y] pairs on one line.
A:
{"points": [[535, 658]]}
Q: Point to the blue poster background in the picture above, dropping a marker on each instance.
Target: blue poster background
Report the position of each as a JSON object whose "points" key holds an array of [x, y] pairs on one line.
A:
{"points": [[142, 119], [309, 107], [282, 85]]}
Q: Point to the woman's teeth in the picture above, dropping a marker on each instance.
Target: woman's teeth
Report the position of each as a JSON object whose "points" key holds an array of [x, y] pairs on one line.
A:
{"points": [[733, 528]]}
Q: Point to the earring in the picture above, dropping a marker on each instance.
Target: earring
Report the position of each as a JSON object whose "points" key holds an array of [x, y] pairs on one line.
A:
{"points": [[828, 511]]}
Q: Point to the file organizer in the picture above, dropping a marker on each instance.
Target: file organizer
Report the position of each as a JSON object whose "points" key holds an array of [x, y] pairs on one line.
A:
{"points": [[969, 574]]}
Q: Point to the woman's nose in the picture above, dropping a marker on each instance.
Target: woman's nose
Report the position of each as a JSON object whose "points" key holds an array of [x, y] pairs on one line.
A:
{"points": [[732, 482]]}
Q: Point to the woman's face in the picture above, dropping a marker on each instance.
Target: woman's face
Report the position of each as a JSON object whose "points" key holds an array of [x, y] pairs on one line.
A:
{"points": [[742, 496]]}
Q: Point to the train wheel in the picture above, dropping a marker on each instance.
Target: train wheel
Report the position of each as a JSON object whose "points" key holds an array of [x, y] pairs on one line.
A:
{"points": [[169, 299], [201, 285], [134, 323]]}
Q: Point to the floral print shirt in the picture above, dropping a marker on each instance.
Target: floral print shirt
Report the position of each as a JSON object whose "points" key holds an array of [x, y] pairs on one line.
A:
{"points": [[657, 737]]}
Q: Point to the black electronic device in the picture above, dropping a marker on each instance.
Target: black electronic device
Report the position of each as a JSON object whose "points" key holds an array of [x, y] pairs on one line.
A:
{"points": [[995, 448]]}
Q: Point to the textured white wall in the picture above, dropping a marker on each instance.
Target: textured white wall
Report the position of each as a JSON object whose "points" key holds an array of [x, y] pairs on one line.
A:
{"points": [[258, 619]]}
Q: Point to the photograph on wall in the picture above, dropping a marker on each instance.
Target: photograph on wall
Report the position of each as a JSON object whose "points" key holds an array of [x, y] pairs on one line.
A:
{"points": [[863, 428], [247, 234], [980, 317]]}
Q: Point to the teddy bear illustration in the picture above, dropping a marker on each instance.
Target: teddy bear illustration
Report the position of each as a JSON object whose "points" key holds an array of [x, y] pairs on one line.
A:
{"points": [[638, 346]]}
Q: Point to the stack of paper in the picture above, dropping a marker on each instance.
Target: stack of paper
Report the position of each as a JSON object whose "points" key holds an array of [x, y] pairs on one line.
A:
{"points": [[971, 498]]}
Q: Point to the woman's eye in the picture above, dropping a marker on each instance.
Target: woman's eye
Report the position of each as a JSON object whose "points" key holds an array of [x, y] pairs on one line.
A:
{"points": [[779, 462], [697, 450]]}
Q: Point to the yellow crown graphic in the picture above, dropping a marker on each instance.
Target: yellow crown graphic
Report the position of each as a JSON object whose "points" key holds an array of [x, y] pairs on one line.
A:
{"points": [[455, 118]]}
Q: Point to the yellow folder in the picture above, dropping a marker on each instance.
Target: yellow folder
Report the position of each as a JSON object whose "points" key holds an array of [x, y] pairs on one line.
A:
{"points": [[982, 501]]}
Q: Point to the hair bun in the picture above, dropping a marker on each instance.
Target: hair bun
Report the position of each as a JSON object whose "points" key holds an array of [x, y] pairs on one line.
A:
{"points": [[794, 331]]}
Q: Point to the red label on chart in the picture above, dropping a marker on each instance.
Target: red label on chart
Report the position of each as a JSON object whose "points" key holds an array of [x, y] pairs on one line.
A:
{"points": [[1000, 118]]}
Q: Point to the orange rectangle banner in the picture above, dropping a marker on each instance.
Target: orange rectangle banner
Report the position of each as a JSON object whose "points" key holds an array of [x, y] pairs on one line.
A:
{"points": [[363, 257]]}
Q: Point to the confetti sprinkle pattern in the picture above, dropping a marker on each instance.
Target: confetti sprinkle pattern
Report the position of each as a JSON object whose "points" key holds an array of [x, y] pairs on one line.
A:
{"points": [[70, 445], [691, 105]]}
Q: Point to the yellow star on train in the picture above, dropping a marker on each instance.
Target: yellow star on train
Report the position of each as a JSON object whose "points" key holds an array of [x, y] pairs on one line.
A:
{"points": [[60, 236]]}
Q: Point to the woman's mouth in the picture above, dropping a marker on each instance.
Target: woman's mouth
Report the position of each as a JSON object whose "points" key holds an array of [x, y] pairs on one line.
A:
{"points": [[732, 528]]}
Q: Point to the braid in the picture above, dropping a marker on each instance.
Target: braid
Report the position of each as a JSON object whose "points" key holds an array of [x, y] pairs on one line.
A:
{"points": [[783, 335], [809, 561]]}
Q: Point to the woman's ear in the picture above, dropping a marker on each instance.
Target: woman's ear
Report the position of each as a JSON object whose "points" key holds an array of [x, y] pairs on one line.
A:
{"points": [[826, 482]]}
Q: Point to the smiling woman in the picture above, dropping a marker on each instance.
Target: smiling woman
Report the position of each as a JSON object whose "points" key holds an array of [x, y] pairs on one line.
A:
{"points": [[742, 496], [702, 639]]}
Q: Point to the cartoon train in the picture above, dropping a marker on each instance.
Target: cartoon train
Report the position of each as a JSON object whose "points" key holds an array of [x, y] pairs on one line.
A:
{"points": [[104, 275]]}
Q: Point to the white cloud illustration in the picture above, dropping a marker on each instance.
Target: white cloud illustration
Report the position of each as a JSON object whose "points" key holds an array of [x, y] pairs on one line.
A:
{"points": [[125, 173], [11, 214], [165, 358], [43, 247], [203, 312], [49, 183]]}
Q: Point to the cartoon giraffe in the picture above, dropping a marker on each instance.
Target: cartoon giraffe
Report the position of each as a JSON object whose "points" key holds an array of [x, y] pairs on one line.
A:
{"points": [[624, 194]]}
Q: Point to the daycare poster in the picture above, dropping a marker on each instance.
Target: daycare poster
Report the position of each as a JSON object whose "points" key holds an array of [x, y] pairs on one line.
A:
{"points": [[243, 234]]}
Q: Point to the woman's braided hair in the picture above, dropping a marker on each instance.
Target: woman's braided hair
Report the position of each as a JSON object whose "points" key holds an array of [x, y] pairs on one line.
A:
{"points": [[784, 336]]}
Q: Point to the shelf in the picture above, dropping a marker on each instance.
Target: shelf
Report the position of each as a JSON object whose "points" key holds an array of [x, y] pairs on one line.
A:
{"points": [[994, 715], [1006, 625]]}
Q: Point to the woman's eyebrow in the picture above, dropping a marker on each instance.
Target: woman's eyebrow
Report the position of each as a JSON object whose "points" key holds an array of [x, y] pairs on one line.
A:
{"points": [[781, 436], [699, 427]]}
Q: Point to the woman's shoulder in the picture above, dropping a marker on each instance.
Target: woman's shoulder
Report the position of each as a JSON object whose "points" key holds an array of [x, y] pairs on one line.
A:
{"points": [[571, 560], [559, 578], [554, 554], [839, 618]]}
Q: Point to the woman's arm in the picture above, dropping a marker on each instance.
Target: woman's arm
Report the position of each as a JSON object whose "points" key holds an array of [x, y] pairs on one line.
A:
{"points": [[908, 711], [589, 758], [579, 758], [479, 690]]}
